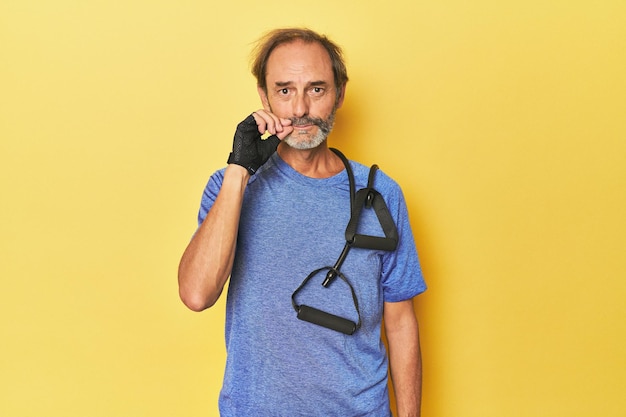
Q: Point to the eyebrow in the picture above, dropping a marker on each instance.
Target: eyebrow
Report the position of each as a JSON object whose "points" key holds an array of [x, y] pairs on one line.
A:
{"points": [[311, 84]]}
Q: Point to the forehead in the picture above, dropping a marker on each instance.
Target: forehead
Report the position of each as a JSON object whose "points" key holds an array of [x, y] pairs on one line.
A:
{"points": [[299, 60]]}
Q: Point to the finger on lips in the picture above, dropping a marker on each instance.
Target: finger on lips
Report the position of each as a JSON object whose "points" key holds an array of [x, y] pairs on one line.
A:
{"points": [[269, 122]]}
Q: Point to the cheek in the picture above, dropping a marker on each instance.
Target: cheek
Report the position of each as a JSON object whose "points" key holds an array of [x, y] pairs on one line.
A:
{"points": [[325, 110], [279, 107]]}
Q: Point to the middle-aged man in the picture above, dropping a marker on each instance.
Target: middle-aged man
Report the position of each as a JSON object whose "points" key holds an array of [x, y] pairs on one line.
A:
{"points": [[314, 267]]}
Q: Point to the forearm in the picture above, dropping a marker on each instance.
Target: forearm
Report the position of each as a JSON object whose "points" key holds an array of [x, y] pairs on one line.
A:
{"points": [[405, 362], [208, 259]]}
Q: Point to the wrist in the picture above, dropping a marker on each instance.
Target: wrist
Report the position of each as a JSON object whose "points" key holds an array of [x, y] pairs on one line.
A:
{"points": [[237, 171]]}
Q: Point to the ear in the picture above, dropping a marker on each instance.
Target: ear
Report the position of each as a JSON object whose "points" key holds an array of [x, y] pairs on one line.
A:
{"points": [[263, 97], [341, 96]]}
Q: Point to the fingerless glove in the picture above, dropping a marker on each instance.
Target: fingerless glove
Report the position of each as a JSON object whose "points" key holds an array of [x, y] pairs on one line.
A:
{"points": [[249, 150]]}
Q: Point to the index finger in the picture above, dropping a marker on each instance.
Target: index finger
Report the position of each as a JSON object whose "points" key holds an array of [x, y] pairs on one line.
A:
{"points": [[269, 122]]}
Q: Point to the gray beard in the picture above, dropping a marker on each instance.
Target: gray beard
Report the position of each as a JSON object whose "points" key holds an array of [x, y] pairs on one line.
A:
{"points": [[301, 141]]}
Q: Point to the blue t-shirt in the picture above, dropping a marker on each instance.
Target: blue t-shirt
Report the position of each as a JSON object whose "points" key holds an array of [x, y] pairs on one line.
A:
{"points": [[291, 225]]}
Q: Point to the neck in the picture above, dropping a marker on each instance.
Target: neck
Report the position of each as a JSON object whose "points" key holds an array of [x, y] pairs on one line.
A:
{"points": [[319, 162]]}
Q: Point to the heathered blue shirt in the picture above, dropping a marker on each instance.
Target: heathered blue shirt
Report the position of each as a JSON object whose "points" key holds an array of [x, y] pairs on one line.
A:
{"points": [[290, 225]]}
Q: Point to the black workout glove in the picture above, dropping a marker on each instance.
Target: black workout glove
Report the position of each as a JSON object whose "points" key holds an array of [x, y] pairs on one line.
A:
{"points": [[249, 150]]}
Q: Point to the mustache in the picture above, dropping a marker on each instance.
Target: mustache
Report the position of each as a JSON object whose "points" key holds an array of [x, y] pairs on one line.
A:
{"points": [[324, 125], [303, 121]]}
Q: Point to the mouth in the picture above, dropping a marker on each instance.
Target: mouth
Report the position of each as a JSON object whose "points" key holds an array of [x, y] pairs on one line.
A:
{"points": [[304, 123]]}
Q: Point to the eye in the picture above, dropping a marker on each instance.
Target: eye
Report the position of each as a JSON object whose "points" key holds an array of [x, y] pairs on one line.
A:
{"points": [[317, 91], [283, 91]]}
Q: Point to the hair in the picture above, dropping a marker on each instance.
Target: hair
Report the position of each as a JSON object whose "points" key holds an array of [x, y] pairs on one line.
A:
{"points": [[267, 43]]}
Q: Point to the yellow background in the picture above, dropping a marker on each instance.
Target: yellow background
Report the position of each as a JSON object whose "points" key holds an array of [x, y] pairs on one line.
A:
{"points": [[504, 121]]}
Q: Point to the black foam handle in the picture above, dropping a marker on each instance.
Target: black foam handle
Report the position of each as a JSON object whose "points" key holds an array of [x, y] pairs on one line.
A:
{"points": [[374, 242], [322, 318]]}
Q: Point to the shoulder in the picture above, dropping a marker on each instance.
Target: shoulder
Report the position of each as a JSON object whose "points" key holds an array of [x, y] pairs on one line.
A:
{"points": [[383, 183]]}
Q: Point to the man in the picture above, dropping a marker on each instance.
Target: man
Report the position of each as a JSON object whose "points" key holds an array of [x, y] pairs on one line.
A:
{"points": [[279, 211]]}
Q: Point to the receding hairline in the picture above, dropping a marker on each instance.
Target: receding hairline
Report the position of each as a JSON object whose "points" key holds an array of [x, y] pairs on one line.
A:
{"points": [[271, 40]]}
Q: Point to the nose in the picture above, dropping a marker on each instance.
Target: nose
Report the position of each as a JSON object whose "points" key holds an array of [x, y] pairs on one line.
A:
{"points": [[301, 105]]}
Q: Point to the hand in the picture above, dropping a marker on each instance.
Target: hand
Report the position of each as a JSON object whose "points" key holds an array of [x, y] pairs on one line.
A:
{"points": [[249, 150]]}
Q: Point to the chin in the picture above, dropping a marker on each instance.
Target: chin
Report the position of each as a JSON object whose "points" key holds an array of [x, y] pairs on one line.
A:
{"points": [[305, 143]]}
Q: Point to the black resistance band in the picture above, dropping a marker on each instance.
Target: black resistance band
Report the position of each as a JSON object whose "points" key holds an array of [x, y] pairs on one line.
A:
{"points": [[367, 198]]}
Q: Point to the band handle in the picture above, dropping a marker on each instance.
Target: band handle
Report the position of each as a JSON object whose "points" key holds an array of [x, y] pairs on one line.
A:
{"points": [[324, 319]]}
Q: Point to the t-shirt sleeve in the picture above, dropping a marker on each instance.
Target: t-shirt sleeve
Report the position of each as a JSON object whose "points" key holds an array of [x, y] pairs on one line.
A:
{"points": [[210, 194], [402, 277]]}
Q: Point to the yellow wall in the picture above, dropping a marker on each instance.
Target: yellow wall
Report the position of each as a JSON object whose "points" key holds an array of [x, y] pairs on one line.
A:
{"points": [[504, 121]]}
